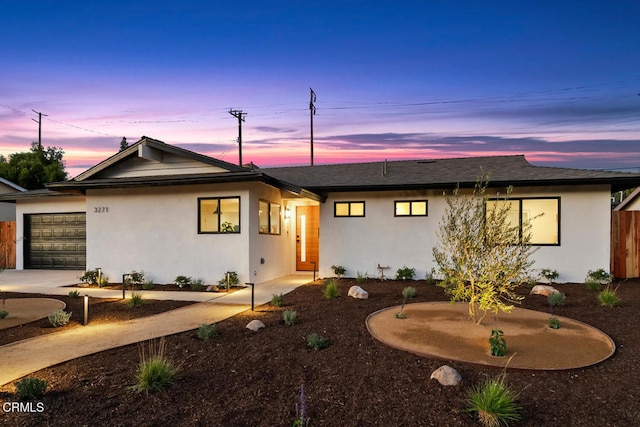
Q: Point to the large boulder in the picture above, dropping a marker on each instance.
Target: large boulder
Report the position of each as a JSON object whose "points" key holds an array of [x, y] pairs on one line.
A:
{"points": [[254, 325], [446, 375], [545, 290], [358, 292]]}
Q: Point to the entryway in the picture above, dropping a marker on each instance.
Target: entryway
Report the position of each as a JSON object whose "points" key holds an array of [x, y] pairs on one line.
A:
{"points": [[307, 238]]}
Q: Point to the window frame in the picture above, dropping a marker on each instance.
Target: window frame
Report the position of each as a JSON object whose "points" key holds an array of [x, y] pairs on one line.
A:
{"points": [[269, 204], [349, 214], [411, 202], [219, 199], [520, 210]]}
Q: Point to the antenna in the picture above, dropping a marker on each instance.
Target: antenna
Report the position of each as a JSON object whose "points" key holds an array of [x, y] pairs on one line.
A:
{"points": [[312, 111], [239, 114], [39, 122]]}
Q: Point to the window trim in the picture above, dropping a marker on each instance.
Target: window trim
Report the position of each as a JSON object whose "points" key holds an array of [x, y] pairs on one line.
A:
{"points": [[269, 218], [200, 199], [411, 214], [349, 214], [521, 199]]}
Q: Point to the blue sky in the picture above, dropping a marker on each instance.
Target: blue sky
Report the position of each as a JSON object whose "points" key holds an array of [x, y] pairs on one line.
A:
{"points": [[556, 81]]}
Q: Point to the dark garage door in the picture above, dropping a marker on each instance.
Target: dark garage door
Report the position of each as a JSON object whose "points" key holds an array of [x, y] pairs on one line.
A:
{"points": [[55, 241]]}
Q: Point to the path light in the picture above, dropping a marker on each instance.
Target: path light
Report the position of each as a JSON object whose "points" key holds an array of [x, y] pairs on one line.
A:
{"points": [[86, 309]]}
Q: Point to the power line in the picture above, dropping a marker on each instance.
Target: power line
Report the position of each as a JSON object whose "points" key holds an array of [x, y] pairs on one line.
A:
{"points": [[239, 114]]}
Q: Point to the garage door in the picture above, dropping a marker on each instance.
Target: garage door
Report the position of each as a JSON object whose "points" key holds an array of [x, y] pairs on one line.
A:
{"points": [[56, 241]]}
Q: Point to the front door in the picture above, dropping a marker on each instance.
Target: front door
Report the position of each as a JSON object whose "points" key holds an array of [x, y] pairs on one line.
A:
{"points": [[307, 237]]}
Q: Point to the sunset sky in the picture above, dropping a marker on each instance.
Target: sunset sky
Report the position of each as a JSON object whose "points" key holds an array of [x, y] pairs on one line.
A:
{"points": [[556, 81]]}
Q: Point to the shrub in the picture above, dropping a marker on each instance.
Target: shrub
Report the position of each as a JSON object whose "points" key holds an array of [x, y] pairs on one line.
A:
{"points": [[338, 270], [3, 314], [103, 281], [277, 300], [409, 292], [232, 277], [405, 273], [331, 289], [31, 388], [90, 277], [182, 281], [155, 370], [554, 323], [599, 275], [430, 277], [608, 297], [493, 402], [289, 317], [136, 278], [74, 294], [59, 318], [136, 300], [197, 285], [549, 274], [207, 331], [361, 278], [592, 285], [317, 342], [556, 299], [148, 285], [497, 343], [401, 315]]}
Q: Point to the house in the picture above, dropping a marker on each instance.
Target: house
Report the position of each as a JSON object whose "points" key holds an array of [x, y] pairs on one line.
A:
{"points": [[169, 211]]}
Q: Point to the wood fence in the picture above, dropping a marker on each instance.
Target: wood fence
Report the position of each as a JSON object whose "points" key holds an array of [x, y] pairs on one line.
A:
{"points": [[625, 244], [7, 244]]}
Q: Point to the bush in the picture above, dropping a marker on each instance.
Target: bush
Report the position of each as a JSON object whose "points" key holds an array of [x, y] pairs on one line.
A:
{"points": [[3, 314], [277, 300], [556, 299], [360, 278], [74, 294], [592, 285], [317, 342], [206, 331], [409, 292], [494, 403], [497, 343], [599, 275], [148, 285], [608, 297], [338, 270], [197, 285], [136, 300], [155, 370], [59, 318], [182, 281], [549, 274], [430, 277], [289, 317], [90, 277], [31, 388], [554, 323], [331, 289], [136, 278], [103, 281], [233, 279], [405, 273]]}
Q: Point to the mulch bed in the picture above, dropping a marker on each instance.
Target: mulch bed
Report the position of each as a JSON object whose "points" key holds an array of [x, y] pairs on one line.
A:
{"points": [[241, 378]]}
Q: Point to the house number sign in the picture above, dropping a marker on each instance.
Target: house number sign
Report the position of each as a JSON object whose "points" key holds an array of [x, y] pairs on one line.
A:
{"points": [[100, 209]]}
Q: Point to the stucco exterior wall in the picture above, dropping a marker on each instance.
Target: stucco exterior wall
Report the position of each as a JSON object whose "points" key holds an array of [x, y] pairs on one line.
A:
{"points": [[156, 230], [360, 244], [42, 206]]}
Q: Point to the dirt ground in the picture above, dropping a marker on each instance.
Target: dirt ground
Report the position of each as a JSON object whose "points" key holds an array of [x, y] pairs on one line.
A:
{"points": [[241, 378]]}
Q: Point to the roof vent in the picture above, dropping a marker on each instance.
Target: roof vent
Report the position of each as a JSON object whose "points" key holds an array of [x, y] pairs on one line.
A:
{"points": [[384, 167]]}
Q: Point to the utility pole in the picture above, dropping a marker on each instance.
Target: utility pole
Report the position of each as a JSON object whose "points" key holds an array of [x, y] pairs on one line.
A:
{"points": [[312, 112], [39, 122], [238, 114]]}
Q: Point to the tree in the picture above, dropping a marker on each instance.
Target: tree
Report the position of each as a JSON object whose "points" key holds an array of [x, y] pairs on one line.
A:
{"points": [[124, 144], [482, 255], [35, 168]]}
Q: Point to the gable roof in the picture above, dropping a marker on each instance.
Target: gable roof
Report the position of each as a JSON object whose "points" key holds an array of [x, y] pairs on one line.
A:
{"points": [[628, 200], [442, 174]]}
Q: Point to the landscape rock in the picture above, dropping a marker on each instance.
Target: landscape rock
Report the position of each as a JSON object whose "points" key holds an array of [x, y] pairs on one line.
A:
{"points": [[446, 375], [358, 293], [545, 290], [254, 325]]}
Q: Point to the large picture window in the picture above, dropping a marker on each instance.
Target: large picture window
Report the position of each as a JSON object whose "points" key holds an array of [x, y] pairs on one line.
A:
{"points": [[410, 208], [269, 215], [219, 215], [348, 209], [543, 213]]}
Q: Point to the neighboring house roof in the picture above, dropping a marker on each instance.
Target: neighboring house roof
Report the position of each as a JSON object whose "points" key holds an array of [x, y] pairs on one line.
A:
{"points": [[628, 200], [443, 173], [5, 184], [32, 194]]}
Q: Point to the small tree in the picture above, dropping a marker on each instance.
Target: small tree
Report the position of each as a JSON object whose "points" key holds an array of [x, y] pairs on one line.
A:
{"points": [[482, 254]]}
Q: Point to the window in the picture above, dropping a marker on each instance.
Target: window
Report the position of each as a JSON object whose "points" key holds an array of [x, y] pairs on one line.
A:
{"points": [[269, 215], [219, 215], [543, 213], [410, 208], [348, 209]]}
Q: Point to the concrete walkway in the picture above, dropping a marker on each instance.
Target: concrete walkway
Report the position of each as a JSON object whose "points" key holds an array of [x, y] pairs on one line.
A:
{"points": [[24, 357]]}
